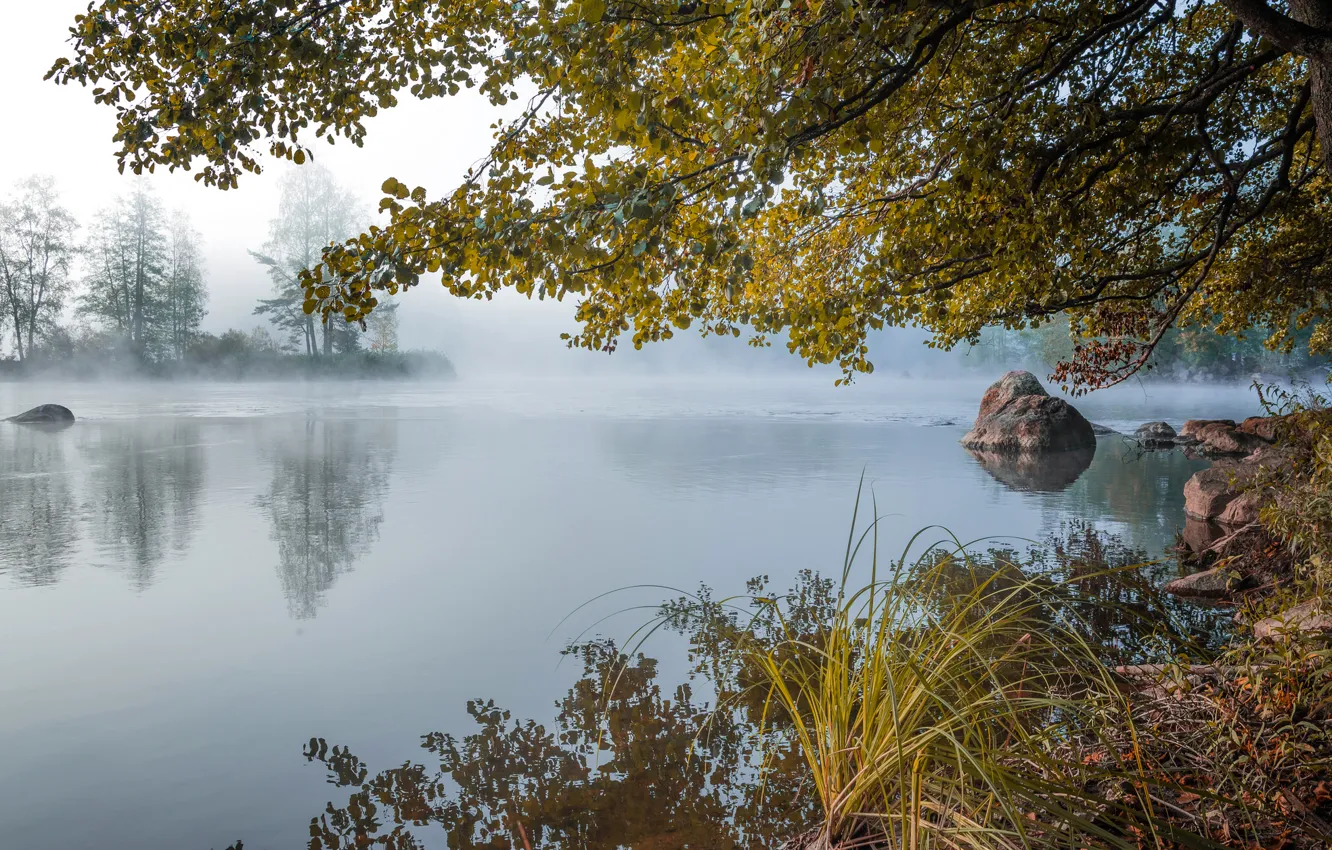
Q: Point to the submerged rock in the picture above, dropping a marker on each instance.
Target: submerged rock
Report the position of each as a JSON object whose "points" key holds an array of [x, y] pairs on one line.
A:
{"points": [[1212, 583], [1200, 534], [1017, 415], [1047, 472], [46, 414], [1155, 434]]}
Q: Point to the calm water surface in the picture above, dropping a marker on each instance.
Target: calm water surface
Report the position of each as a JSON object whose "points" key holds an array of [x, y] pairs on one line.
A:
{"points": [[196, 580]]}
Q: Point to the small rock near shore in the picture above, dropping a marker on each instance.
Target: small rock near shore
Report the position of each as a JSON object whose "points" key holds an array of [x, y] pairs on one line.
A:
{"points": [[1304, 617], [1188, 432], [1213, 583], [1018, 415], [1155, 434], [1242, 510], [45, 414], [1219, 437], [1262, 427], [1242, 540]]}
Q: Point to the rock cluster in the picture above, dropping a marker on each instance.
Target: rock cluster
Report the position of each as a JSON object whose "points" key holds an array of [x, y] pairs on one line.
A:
{"points": [[1222, 493], [1212, 437], [1222, 502]]}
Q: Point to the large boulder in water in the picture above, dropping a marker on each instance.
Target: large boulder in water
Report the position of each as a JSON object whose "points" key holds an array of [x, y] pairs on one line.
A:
{"points": [[46, 414], [1018, 415]]}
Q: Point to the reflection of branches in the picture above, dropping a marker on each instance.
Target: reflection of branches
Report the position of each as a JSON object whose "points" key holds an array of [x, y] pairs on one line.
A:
{"points": [[622, 768]]}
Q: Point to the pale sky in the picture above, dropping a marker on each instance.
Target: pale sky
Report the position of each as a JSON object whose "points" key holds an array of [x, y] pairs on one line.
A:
{"points": [[58, 130]]}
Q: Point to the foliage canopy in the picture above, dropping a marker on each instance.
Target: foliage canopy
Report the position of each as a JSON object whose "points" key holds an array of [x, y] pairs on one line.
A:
{"points": [[814, 167]]}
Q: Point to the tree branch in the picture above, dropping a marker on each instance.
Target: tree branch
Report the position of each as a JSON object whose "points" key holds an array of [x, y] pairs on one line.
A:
{"points": [[1282, 30]]}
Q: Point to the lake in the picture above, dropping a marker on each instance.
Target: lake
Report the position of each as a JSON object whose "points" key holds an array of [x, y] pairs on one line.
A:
{"points": [[195, 580]]}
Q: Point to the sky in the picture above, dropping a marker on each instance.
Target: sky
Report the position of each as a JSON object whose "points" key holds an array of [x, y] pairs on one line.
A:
{"points": [[59, 130]]}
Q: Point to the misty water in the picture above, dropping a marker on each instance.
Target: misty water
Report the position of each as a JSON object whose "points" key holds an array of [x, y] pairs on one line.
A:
{"points": [[195, 580]]}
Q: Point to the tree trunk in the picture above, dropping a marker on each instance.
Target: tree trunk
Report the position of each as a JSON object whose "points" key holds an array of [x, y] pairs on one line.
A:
{"points": [[1318, 13], [1306, 32], [18, 333], [136, 322], [328, 337]]}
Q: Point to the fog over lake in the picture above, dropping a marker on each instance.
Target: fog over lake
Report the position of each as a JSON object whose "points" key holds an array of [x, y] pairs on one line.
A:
{"points": [[197, 579]]}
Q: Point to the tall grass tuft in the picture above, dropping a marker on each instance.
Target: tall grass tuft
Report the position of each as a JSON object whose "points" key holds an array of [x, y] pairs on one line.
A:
{"points": [[951, 703]]}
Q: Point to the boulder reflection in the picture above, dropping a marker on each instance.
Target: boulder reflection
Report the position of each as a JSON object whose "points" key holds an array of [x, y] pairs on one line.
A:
{"points": [[325, 501], [1049, 472]]}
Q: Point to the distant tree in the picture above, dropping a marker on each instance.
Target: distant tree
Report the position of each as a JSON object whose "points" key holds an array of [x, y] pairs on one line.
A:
{"points": [[382, 328], [314, 212], [36, 252], [185, 295], [128, 258], [262, 339]]}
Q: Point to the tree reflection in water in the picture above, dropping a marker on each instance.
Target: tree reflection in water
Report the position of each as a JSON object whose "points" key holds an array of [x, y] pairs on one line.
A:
{"points": [[145, 484], [635, 762], [325, 502], [38, 520]]}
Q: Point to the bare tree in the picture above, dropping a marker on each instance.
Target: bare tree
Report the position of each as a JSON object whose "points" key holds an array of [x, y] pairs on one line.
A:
{"points": [[36, 252]]}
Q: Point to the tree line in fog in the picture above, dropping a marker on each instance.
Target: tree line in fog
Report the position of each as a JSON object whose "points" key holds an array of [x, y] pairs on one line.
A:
{"points": [[129, 287]]}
